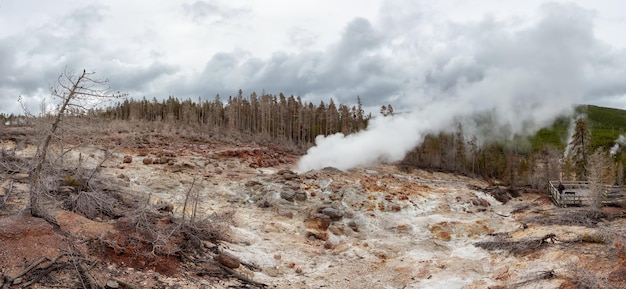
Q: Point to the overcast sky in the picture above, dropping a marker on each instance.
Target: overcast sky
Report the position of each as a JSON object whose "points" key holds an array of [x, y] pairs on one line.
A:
{"points": [[407, 53]]}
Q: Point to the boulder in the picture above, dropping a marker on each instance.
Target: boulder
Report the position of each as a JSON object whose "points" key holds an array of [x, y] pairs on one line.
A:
{"points": [[288, 195], [301, 196], [127, 159], [147, 161], [333, 213], [228, 260], [318, 221]]}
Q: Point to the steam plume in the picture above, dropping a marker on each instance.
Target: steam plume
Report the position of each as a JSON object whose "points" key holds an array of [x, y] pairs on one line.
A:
{"points": [[500, 84], [619, 142]]}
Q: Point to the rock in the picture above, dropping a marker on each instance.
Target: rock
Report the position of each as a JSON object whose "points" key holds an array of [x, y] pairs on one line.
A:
{"points": [[333, 213], [127, 159], [123, 177], [287, 174], [336, 230], [353, 225], [166, 207], [205, 283], [253, 184], [228, 260], [285, 213], [480, 202], [288, 195], [112, 284], [331, 170], [312, 234], [147, 161], [318, 221], [301, 196]]}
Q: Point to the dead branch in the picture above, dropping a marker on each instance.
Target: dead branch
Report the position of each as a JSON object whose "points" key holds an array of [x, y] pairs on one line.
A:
{"points": [[187, 197], [6, 195], [542, 275], [85, 277], [49, 267], [241, 278]]}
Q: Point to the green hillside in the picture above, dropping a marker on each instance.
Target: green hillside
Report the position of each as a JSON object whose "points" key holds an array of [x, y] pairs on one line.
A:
{"points": [[606, 124]]}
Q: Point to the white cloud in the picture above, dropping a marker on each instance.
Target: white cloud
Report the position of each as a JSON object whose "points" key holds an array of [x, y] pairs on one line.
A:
{"points": [[401, 52]]}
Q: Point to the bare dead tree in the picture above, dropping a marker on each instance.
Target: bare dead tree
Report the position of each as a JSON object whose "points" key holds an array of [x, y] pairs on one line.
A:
{"points": [[76, 93], [597, 164]]}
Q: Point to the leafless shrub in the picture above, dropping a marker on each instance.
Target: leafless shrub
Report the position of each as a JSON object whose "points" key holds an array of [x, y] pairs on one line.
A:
{"points": [[533, 278], [11, 164], [572, 217], [75, 93], [522, 247], [587, 278]]}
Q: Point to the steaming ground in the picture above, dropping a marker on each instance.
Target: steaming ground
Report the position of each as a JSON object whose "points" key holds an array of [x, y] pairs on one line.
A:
{"points": [[389, 228]]}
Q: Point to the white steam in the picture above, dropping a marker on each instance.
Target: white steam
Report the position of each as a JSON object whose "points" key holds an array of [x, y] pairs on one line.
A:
{"points": [[619, 142], [497, 82]]}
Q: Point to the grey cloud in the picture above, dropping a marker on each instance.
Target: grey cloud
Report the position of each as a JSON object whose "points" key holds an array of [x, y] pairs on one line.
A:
{"points": [[343, 71], [137, 79], [207, 11], [301, 37]]}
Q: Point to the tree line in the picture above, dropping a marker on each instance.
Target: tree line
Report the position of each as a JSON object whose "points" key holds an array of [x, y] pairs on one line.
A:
{"points": [[289, 120], [270, 116]]}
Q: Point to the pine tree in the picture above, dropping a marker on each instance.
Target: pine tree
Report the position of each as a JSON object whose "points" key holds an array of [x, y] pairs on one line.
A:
{"points": [[579, 148]]}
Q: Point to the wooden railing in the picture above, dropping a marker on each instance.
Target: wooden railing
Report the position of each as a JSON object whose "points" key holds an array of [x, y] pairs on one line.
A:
{"points": [[578, 194]]}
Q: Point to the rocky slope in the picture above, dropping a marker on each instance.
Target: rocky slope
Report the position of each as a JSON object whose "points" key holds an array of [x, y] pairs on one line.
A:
{"points": [[375, 227]]}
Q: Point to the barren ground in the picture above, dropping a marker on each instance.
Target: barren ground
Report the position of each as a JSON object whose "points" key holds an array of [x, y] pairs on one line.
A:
{"points": [[374, 227]]}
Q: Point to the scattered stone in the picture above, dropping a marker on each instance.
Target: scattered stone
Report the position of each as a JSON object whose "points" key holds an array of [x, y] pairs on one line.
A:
{"points": [[167, 207], [336, 230], [287, 175], [205, 283], [318, 221], [480, 202], [127, 159], [353, 225], [147, 161], [288, 195], [227, 259], [316, 235], [253, 184], [333, 213], [285, 213], [112, 284], [301, 196]]}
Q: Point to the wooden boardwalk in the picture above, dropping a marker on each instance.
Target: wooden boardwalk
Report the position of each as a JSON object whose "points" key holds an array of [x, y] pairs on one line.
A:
{"points": [[577, 194]]}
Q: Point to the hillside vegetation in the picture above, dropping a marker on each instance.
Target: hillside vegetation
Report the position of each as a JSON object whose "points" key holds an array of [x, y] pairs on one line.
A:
{"points": [[289, 122], [606, 125]]}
